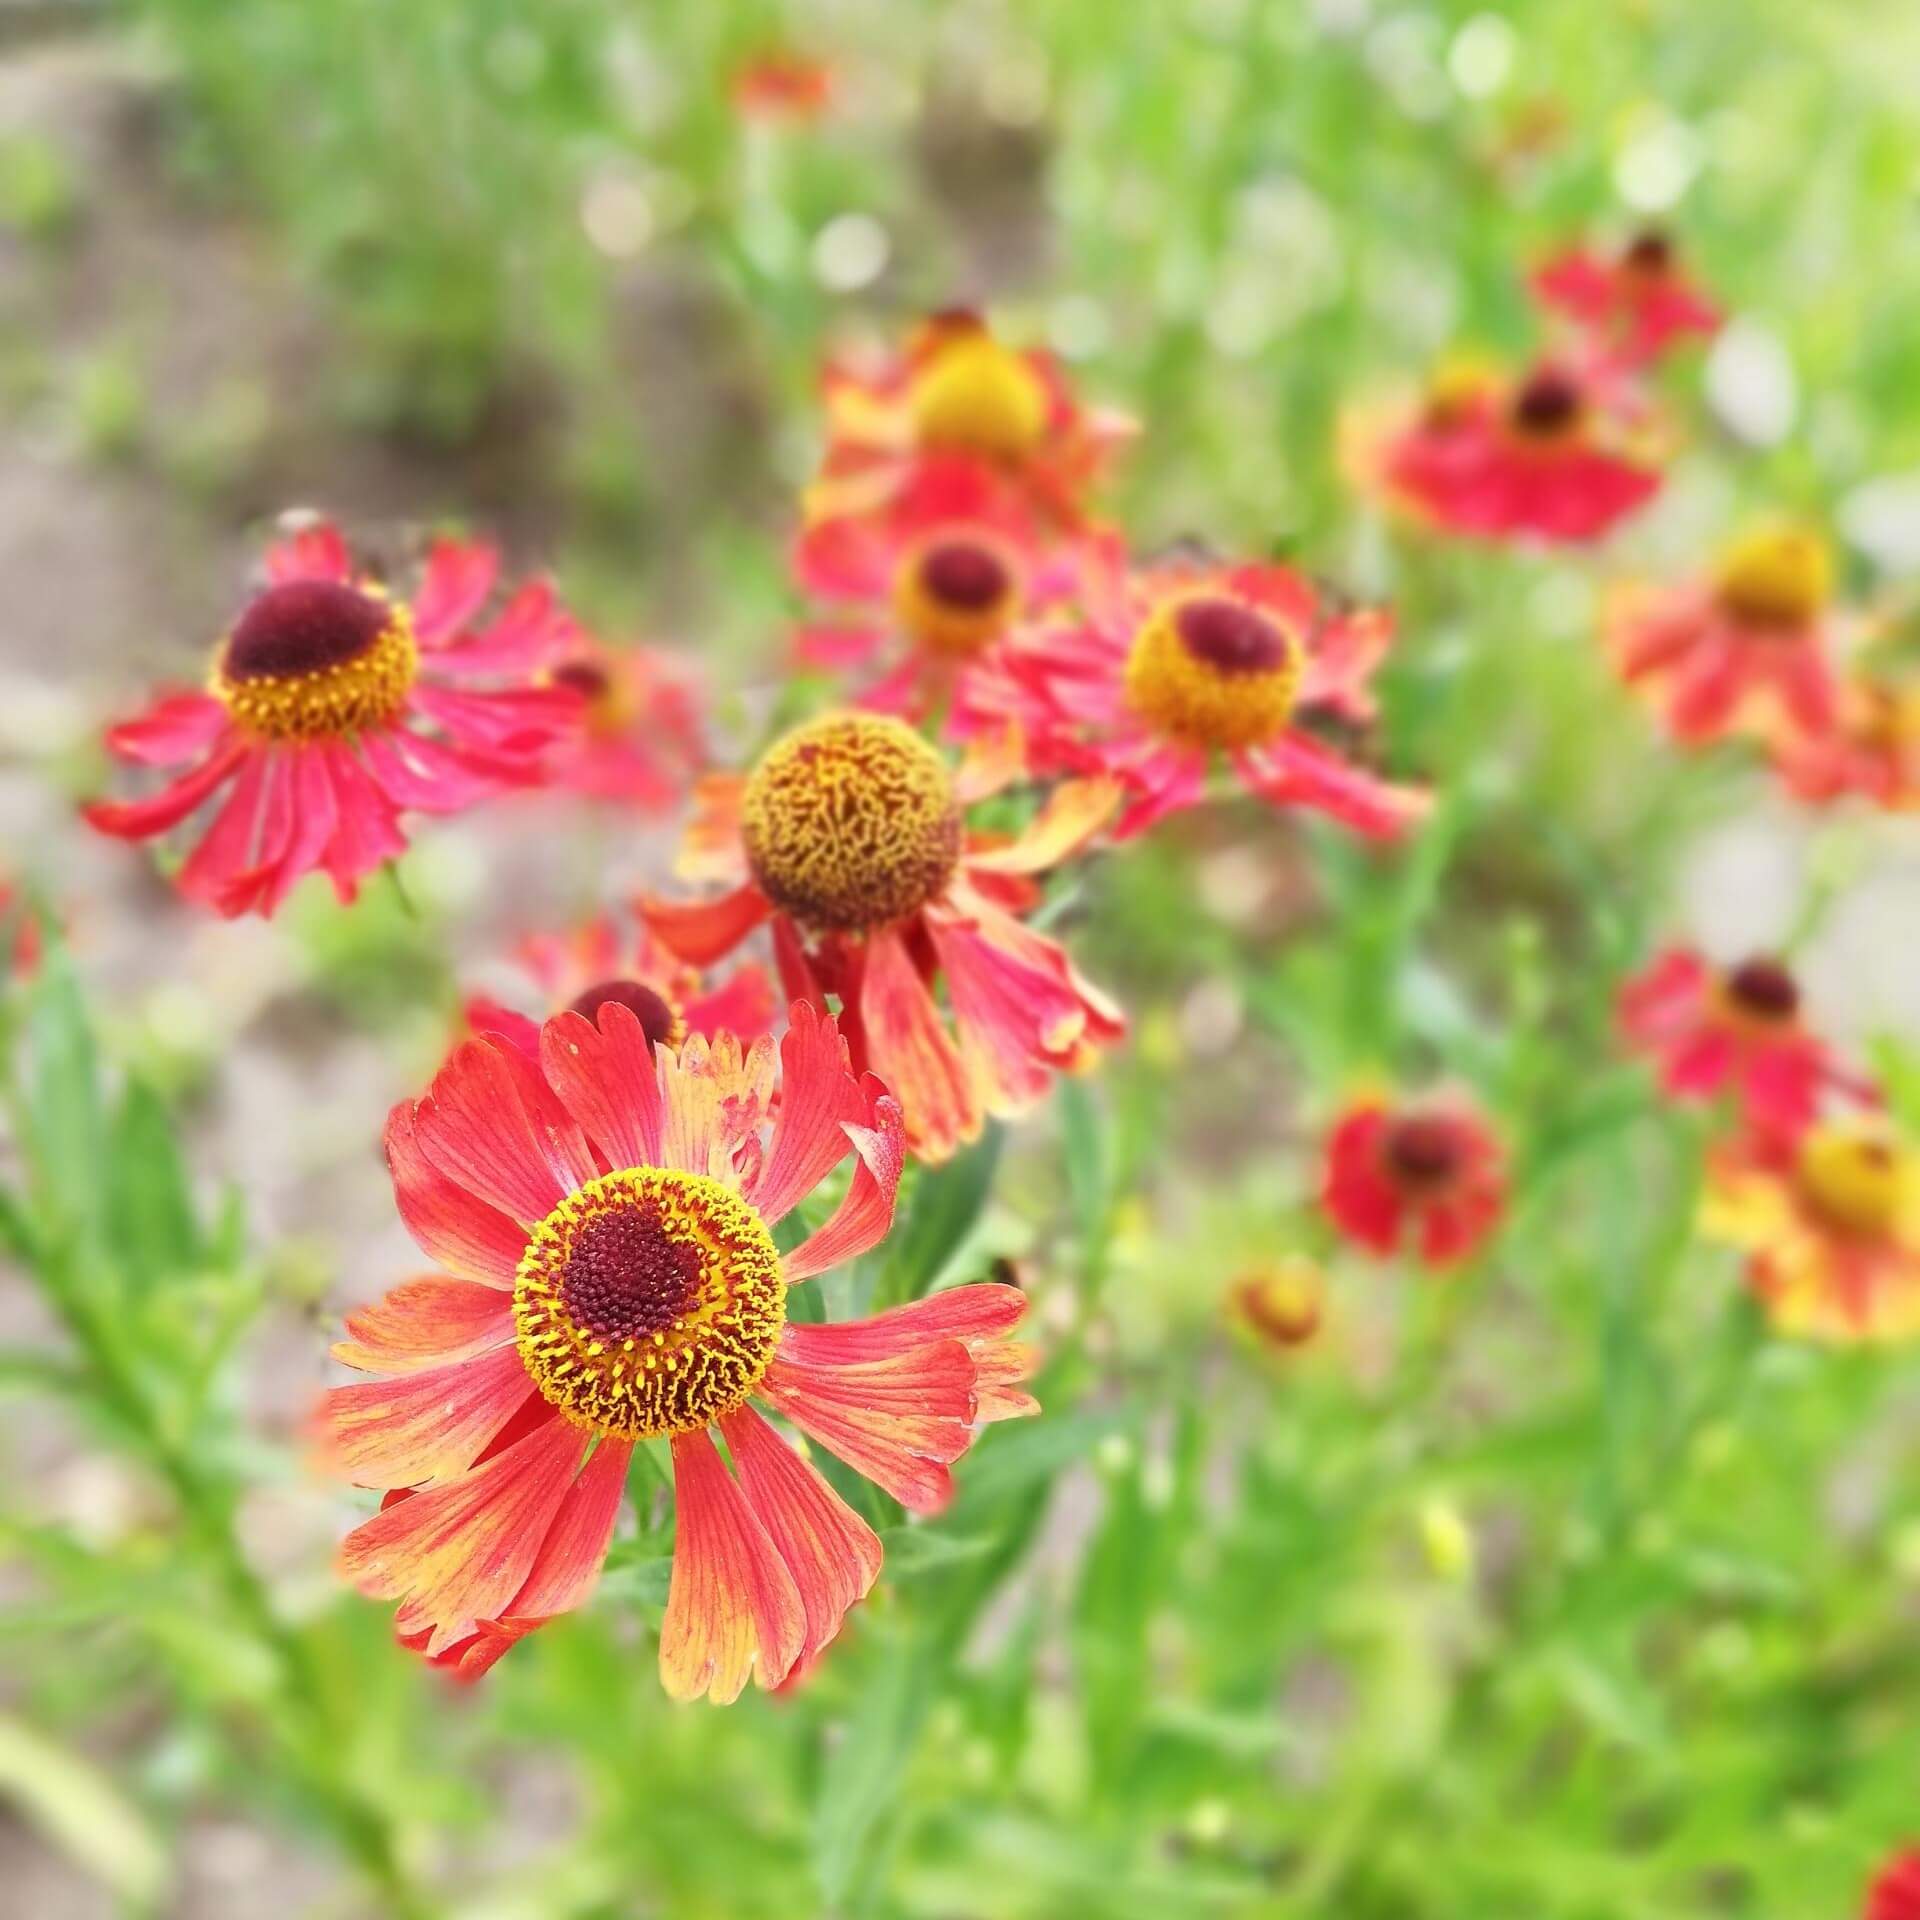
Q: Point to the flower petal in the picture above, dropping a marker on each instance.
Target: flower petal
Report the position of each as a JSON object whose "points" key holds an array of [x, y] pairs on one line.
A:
{"points": [[318, 552], [449, 1223], [138, 819], [173, 729], [424, 1426], [1075, 811], [454, 584], [818, 1097], [426, 1323], [909, 1047], [702, 931], [732, 1607], [863, 1217], [605, 1074]]}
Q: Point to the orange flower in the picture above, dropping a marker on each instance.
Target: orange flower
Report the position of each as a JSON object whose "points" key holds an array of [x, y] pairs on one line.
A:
{"points": [[958, 392], [1830, 1228], [593, 964], [1429, 1172], [1749, 650], [780, 87], [849, 836], [641, 742], [603, 1219], [1280, 1303], [1554, 455]]}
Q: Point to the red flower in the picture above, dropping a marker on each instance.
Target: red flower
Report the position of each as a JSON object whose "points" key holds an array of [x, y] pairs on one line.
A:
{"points": [[1871, 752], [1830, 1227], [604, 1222], [1738, 1029], [1747, 651], [1430, 1172], [780, 87], [1161, 673], [1895, 1893], [332, 709], [930, 585], [19, 933], [586, 968], [956, 391], [1635, 303], [849, 837], [1547, 457], [642, 741]]}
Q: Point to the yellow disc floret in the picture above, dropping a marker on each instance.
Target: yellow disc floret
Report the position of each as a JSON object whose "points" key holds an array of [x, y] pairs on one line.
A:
{"points": [[973, 393], [316, 659], [649, 1302], [1777, 576], [1210, 670], [1856, 1177], [851, 822], [957, 593], [1280, 1303]]}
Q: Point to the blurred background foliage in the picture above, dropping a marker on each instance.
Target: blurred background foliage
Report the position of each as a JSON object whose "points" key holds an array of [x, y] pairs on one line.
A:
{"points": [[1558, 1590]]}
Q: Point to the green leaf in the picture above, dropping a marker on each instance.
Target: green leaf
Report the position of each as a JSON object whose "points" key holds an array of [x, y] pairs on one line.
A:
{"points": [[864, 1770], [150, 1215], [945, 1207], [83, 1813], [66, 1124]]}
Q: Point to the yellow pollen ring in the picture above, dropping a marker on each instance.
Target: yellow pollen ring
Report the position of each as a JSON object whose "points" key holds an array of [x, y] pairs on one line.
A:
{"points": [[851, 823], [1778, 576], [329, 702], [978, 395], [1200, 703], [1855, 1177], [600, 1351]]}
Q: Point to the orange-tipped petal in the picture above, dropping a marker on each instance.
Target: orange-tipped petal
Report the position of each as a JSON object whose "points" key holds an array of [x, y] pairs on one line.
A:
{"points": [[426, 1323]]}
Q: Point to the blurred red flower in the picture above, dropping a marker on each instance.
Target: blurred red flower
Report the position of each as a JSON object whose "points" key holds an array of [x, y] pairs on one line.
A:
{"points": [[778, 86], [332, 708], [1895, 1892], [641, 741], [1634, 303], [1427, 1174]]}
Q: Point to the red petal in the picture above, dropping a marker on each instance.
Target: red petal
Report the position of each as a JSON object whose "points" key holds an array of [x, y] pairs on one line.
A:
{"points": [[701, 931], [425, 1426], [172, 730], [732, 1606], [606, 1076], [454, 585], [426, 1323], [818, 1097], [909, 1047], [866, 1213], [457, 1228], [315, 553], [138, 819]]}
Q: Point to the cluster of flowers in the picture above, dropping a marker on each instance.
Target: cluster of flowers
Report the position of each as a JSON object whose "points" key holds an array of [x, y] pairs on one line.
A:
{"points": [[599, 1188]]}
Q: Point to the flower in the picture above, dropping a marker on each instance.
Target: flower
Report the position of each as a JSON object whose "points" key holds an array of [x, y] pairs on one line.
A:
{"points": [[1162, 672], [20, 939], [958, 391], [1279, 1303], [1748, 650], [331, 708], [1636, 303], [1872, 751], [849, 838], [603, 1221], [1549, 456], [779, 87], [929, 585], [1713, 1029], [593, 964], [641, 742], [1830, 1228], [1895, 1892], [1429, 1171]]}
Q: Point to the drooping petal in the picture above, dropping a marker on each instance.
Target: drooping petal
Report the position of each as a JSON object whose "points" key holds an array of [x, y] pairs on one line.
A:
{"points": [[139, 819], [975, 1313], [866, 1213], [605, 1073], [367, 829], [426, 1323], [733, 1611], [702, 931], [228, 852], [832, 1554], [818, 1097], [173, 729], [1298, 771], [425, 1426], [449, 1222], [909, 1048], [458, 1553], [1075, 811]]}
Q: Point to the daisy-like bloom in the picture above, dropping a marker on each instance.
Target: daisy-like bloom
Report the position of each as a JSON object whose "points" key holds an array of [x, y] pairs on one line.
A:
{"points": [[1738, 1029], [1279, 1303], [1428, 1174], [1162, 673], [917, 596], [1749, 650], [779, 87], [1872, 752], [956, 390], [1636, 302], [641, 741], [849, 837], [332, 708], [1895, 1892], [1830, 1228], [604, 1223], [1545, 457], [595, 963]]}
